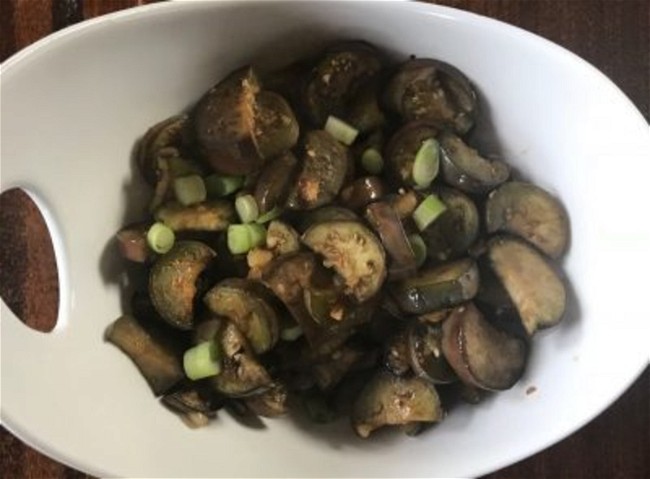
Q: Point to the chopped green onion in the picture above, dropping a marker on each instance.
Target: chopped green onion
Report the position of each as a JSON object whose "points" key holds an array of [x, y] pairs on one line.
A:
{"points": [[291, 334], [247, 209], [189, 190], [269, 215], [372, 161], [242, 238], [202, 361], [182, 167], [257, 234], [419, 248], [427, 211], [219, 186], [160, 238], [426, 164], [342, 131]]}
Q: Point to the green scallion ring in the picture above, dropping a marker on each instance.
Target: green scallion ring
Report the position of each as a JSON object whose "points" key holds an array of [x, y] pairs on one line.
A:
{"points": [[190, 190], [427, 211], [202, 361], [160, 238]]}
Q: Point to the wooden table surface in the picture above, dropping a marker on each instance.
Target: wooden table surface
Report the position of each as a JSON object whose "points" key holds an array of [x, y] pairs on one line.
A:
{"points": [[614, 35]]}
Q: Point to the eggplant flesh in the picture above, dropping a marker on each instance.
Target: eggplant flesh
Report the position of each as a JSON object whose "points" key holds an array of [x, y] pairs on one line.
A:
{"points": [[325, 162], [353, 251], [389, 400], [531, 280], [479, 353], [173, 281], [528, 211], [242, 303], [211, 215], [157, 357], [241, 373]]}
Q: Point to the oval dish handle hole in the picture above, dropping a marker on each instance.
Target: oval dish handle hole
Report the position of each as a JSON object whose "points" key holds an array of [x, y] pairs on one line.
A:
{"points": [[29, 283]]}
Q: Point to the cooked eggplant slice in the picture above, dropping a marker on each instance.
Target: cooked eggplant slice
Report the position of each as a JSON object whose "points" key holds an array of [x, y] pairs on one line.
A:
{"points": [[132, 243], [276, 128], [425, 354], [362, 192], [532, 282], [530, 212], [171, 132], [440, 287], [241, 374], [365, 113], [329, 372], [389, 400], [493, 300], [172, 281], [193, 406], [404, 146], [270, 403], [404, 203], [243, 302], [326, 213], [385, 221], [224, 122], [156, 356], [281, 238], [431, 90], [275, 182], [337, 78], [325, 162], [212, 215], [464, 168], [288, 276], [396, 354], [480, 354], [455, 230], [353, 251]]}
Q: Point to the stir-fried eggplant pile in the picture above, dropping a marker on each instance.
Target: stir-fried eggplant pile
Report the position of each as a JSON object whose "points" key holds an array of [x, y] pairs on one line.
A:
{"points": [[326, 238]]}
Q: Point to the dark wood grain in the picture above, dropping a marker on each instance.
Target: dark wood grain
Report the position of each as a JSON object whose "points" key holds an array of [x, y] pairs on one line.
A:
{"points": [[614, 35]]}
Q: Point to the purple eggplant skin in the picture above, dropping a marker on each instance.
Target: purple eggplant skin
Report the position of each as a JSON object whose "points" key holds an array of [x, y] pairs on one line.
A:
{"points": [[386, 222], [325, 163], [434, 91], [337, 78]]}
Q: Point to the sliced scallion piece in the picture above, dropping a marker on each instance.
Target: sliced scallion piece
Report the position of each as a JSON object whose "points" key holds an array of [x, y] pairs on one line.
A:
{"points": [[219, 186], [189, 190], [247, 209], [257, 234], [269, 215], [427, 211], [427, 163], [242, 238], [292, 333], [202, 361], [419, 248], [160, 238], [372, 161], [342, 131]]}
